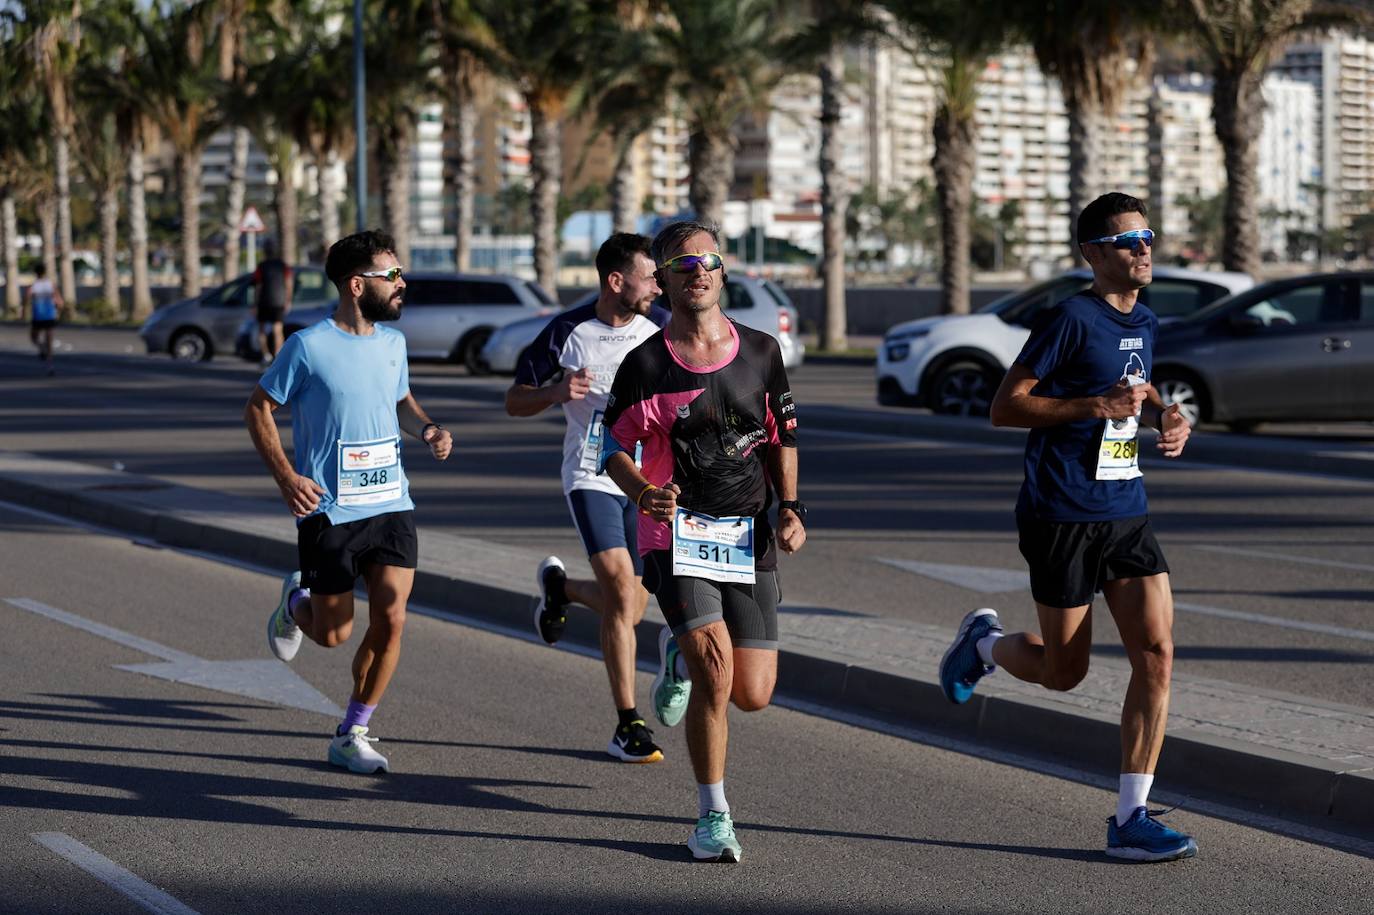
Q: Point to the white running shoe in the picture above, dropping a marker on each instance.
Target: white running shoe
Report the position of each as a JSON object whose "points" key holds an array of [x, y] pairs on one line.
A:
{"points": [[353, 751], [283, 635]]}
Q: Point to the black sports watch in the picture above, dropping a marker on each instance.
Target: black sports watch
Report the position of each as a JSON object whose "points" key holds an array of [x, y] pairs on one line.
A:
{"points": [[797, 505]]}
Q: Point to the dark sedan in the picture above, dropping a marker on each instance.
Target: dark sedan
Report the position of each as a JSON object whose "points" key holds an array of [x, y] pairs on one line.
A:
{"points": [[1293, 349]]}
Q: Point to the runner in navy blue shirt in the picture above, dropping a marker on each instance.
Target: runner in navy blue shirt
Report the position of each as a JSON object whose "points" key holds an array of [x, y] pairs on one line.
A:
{"points": [[1081, 385], [572, 363]]}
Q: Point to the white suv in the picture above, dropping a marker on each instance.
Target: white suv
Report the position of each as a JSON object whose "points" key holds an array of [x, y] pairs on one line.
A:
{"points": [[954, 363]]}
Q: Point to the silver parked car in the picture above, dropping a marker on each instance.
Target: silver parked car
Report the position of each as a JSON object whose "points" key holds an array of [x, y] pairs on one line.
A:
{"points": [[756, 303], [198, 328], [1294, 349], [446, 315]]}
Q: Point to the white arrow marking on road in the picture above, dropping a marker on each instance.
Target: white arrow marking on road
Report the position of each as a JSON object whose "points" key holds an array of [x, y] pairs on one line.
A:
{"points": [[257, 678], [993, 581], [974, 578]]}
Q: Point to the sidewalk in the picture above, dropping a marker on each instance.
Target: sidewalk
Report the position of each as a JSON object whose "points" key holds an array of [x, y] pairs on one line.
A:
{"points": [[1282, 754]]}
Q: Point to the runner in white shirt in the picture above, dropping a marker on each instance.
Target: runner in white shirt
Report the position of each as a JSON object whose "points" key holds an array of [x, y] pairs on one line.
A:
{"points": [[572, 363], [44, 305]]}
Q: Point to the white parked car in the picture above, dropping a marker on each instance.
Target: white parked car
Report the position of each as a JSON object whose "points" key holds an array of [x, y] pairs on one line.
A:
{"points": [[760, 304], [954, 363], [446, 315]]}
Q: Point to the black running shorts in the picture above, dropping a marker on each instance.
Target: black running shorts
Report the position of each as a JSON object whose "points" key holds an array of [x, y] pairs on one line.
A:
{"points": [[271, 315], [1069, 560], [332, 556], [750, 612]]}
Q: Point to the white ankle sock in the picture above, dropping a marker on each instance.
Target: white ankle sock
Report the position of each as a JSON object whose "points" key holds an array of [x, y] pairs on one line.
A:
{"points": [[680, 668], [1135, 788], [711, 797], [984, 646]]}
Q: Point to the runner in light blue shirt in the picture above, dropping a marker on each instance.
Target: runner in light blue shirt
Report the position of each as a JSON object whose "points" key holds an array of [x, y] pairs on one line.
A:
{"points": [[348, 387]]}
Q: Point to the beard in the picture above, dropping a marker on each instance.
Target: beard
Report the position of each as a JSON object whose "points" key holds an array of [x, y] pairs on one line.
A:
{"points": [[377, 307]]}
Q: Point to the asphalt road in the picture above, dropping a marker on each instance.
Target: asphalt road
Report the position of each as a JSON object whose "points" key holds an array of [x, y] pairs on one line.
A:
{"points": [[501, 798], [1273, 572]]}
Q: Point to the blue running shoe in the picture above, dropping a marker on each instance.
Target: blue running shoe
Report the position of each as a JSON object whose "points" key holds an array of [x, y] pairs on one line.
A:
{"points": [[961, 668], [1143, 838]]}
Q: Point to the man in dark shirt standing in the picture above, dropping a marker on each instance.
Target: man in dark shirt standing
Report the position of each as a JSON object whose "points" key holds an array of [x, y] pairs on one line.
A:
{"points": [[1081, 386], [272, 283], [709, 402]]}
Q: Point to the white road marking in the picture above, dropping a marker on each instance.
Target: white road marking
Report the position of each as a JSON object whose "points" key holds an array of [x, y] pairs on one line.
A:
{"points": [[992, 580], [264, 679], [143, 893], [973, 578], [1304, 560]]}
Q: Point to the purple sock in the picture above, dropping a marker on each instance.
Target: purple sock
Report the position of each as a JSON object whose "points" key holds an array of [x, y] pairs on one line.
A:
{"points": [[295, 597], [358, 714]]}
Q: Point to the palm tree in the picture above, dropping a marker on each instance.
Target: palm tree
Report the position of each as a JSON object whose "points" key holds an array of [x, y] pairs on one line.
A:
{"points": [[833, 23], [1088, 47], [961, 36], [176, 83], [455, 23], [232, 71], [725, 58], [542, 49], [1239, 39], [21, 112], [52, 34]]}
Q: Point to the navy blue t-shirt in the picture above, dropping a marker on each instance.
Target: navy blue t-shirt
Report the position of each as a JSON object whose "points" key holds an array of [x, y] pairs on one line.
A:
{"points": [[1081, 348]]}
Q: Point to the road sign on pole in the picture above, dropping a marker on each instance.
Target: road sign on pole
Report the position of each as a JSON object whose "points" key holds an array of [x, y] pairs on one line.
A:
{"points": [[251, 224]]}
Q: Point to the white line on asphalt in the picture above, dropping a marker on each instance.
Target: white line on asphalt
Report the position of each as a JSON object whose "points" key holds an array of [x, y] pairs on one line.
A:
{"points": [[143, 893], [118, 636], [1305, 560], [1363, 635], [931, 444]]}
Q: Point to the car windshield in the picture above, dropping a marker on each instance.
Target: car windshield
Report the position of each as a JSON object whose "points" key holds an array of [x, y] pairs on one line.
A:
{"points": [[538, 292]]}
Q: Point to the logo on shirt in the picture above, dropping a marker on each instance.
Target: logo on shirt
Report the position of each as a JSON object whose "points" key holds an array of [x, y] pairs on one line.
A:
{"points": [[1132, 343], [617, 338], [683, 410]]}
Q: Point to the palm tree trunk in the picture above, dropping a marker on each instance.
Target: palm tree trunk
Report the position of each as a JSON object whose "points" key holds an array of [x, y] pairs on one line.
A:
{"points": [[62, 168], [1237, 110], [953, 165], [712, 162], [1082, 161], [286, 202], [233, 210], [834, 201], [9, 232], [624, 207], [395, 169], [329, 198], [464, 126], [141, 296], [47, 225], [189, 179], [109, 242], [546, 174]]}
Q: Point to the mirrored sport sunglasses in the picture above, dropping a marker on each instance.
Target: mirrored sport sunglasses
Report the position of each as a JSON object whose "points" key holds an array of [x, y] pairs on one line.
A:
{"points": [[687, 263], [390, 274], [1126, 241]]}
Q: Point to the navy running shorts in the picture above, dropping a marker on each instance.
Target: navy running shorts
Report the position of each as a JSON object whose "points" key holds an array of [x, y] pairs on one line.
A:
{"points": [[1070, 560], [750, 612], [605, 522], [332, 556]]}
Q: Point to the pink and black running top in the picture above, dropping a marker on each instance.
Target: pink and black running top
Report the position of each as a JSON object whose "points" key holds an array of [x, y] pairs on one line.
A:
{"points": [[706, 428]]}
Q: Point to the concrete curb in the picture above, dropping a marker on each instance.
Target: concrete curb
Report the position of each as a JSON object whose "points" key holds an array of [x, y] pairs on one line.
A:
{"points": [[1275, 782]]}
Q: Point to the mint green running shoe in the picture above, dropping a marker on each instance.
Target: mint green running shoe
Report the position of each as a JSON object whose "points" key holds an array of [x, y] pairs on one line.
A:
{"points": [[670, 692], [714, 839]]}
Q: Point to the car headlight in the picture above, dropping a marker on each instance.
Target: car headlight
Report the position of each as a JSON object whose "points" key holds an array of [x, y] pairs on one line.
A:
{"points": [[898, 345]]}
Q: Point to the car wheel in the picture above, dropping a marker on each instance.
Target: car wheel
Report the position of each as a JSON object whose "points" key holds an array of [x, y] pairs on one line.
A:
{"points": [[190, 346], [963, 389], [469, 352], [1187, 393]]}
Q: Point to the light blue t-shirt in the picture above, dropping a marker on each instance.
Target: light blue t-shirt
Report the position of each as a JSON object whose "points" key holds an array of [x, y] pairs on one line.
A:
{"points": [[343, 389]]}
